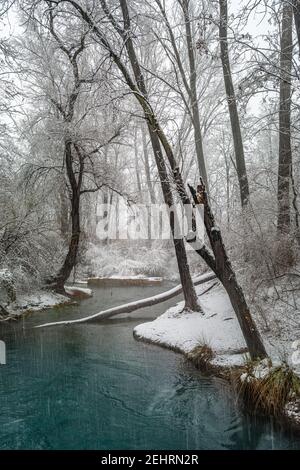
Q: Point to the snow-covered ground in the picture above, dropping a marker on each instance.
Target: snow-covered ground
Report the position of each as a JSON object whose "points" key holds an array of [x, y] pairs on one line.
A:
{"points": [[37, 301], [216, 327]]}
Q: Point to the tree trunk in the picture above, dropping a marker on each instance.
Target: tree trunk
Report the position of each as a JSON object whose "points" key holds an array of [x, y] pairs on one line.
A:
{"points": [[296, 7], [193, 93], [137, 170], [285, 150], [70, 261], [64, 212], [232, 106], [190, 296], [147, 167], [57, 283], [222, 267], [295, 206]]}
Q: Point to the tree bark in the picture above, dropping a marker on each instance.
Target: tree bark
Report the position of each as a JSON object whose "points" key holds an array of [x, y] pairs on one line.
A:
{"points": [[147, 167], [190, 84], [190, 296], [70, 261], [285, 150], [232, 106], [137, 170], [64, 212], [193, 92], [223, 269]]}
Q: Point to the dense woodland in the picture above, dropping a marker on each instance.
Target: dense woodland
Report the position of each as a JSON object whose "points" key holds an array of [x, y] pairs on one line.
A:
{"points": [[137, 99]]}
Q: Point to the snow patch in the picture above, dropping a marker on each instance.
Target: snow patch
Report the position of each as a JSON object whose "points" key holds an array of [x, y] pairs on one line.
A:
{"points": [[38, 301], [184, 330]]}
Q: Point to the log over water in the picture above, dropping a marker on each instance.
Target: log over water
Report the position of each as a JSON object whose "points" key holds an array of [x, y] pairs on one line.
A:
{"points": [[132, 306]]}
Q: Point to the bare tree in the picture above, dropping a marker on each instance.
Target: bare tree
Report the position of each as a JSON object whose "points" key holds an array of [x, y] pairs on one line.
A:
{"points": [[232, 106], [64, 90], [218, 261], [285, 150], [189, 80], [185, 276]]}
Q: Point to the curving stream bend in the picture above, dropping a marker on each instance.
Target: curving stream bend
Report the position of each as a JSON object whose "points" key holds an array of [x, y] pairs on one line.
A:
{"points": [[92, 386]]}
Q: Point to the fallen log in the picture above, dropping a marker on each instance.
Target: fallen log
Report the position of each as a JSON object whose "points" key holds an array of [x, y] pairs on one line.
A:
{"points": [[132, 306]]}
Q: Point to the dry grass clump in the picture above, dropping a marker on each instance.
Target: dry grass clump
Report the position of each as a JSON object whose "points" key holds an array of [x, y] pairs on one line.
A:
{"points": [[201, 356], [266, 388]]}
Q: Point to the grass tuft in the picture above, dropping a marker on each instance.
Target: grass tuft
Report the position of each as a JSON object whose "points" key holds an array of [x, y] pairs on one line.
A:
{"points": [[201, 356], [267, 389]]}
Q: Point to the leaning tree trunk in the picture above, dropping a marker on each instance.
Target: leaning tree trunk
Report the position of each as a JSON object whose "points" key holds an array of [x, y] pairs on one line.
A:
{"points": [[285, 150], [222, 267], [232, 106], [147, 167], [190, 296], [251, 334]]}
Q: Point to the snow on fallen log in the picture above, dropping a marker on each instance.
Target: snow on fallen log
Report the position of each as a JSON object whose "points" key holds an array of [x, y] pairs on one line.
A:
{"points": [[132, 306]]}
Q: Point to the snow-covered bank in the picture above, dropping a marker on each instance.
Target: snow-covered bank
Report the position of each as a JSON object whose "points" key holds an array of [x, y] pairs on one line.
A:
{"points": [[214, 342], [35, 302], [43, 300], [217, 327]]}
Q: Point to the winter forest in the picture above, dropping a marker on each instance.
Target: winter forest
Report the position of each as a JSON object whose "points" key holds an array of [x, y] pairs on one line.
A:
{"points": [[145, 105]]}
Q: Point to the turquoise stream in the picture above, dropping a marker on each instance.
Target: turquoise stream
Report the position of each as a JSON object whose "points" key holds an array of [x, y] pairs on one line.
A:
{"points": [[92, 386]]}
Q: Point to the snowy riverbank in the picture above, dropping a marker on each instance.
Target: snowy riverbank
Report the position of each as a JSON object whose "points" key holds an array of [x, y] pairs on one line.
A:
{"points": [[217, 327], [216, 332], [43, 300], [35, 302]]}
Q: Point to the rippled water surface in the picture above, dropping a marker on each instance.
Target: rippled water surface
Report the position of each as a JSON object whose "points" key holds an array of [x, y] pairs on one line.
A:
{"points": [[92, 386]]}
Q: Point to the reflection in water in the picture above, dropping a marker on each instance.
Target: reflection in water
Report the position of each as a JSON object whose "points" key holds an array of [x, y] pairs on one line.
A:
{"points": [[93, 386]]}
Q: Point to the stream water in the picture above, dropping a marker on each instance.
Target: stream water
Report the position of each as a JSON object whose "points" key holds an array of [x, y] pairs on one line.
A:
{"points": [[92, 386]]}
